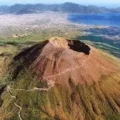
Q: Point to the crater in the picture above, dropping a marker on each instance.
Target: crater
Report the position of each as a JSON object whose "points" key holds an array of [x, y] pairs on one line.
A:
{"points": [[79, 46], [74, 45]]}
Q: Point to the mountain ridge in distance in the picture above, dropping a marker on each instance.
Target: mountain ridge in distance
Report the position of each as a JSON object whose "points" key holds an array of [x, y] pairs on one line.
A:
{"points": [[67, 7]]}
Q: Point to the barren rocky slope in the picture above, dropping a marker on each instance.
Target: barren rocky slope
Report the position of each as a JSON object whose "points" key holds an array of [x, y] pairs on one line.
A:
{"points": [[61, 79]]}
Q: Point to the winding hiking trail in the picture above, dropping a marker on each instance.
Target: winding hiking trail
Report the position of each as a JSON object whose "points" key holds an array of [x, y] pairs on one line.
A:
{"points": [[20, 109], [14, 97], [68, 70], [50, 84]]}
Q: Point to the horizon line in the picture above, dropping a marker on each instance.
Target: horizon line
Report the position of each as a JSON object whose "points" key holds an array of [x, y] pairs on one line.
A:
{"points": [[84, 4]]}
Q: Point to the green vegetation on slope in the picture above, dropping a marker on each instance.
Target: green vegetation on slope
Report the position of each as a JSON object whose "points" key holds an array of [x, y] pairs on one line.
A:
{"points": [[96, 102]]}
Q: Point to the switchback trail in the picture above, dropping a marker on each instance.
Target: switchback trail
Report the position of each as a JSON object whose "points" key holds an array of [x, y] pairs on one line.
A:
{"points": [[19, 107], [50, 85], [68, 70]]}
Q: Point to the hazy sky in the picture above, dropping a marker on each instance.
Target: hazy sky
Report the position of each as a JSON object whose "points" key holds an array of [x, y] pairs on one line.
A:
{"points": [[86, 2]]}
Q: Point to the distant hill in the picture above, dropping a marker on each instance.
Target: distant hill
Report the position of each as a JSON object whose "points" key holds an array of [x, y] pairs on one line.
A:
{"points": [[65, 7]]}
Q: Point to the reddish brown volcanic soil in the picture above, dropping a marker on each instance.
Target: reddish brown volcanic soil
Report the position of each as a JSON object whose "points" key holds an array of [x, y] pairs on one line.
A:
{"points": [[60, 60]]}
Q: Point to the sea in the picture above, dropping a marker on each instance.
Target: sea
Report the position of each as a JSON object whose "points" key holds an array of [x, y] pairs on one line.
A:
{"points": [[106, 19], [107, 38]]}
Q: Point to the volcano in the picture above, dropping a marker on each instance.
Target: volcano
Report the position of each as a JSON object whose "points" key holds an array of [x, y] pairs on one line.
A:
{"points": [[61, 79]]}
